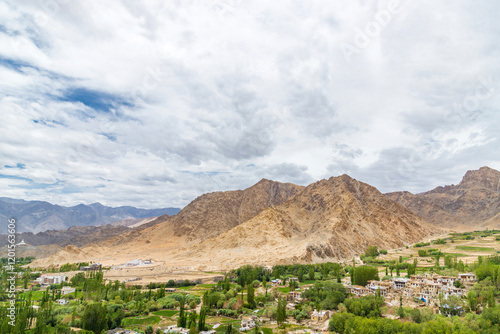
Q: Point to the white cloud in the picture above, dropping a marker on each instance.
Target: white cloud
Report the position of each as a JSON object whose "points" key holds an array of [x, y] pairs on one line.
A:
{"points": [[154, 104]]}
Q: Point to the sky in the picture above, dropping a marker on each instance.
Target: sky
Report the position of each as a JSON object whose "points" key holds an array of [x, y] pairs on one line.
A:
{"points": [[154, 103]]}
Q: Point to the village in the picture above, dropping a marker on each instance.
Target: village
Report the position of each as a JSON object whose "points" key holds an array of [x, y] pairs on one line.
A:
{"points": [[417, 291]]}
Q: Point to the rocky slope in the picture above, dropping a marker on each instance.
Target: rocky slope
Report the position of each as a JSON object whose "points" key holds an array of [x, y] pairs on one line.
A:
{"points": [[331, 219], [269, 222], [215, 213], [472, 204]]}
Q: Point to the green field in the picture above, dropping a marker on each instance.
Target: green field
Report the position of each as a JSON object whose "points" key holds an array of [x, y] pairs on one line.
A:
{"points": [[284, 290], [166, 313], [474, 249], [152, 320], [266, 330]]}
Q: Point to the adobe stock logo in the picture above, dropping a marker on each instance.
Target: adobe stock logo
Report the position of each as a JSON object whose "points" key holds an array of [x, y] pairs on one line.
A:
{"points": [[364, 37]]}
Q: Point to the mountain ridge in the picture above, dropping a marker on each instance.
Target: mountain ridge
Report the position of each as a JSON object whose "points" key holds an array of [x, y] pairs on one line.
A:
{"points": [[269, 222], [39, 216], [472, 203]]}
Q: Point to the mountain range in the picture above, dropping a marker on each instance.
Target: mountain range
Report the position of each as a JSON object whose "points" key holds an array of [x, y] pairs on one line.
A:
{"points": [[39, 216], [473, 203], [273, 222]]}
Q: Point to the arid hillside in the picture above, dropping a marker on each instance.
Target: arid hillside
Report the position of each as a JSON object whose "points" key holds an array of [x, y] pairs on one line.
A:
{"points": [[331, 219], [472, 204], [267, 223]]}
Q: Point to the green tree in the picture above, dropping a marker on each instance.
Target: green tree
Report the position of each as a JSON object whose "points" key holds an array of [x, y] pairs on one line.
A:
{"points": [[472, 301], [300, 275], [94, 317], [281, 311], [181, 320], [192, 320], [160, 293], [251, 295], [311, 274], [148, 330], [416, 315], [371, 251], [363, 274], [338, 321], [201, 321]]}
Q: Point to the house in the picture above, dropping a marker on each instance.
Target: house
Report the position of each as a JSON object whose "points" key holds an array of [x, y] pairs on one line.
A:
{"points": [[51, 279], [451, 291], [468, 277], [62, 301], [92, 267], [357, 290], [208, 332], [276, 281], [294, 295], [320, 315], [121, 331], [399, 283], [248, 322], [382, 289], [172, 329], [66, 290], [447, 310]]}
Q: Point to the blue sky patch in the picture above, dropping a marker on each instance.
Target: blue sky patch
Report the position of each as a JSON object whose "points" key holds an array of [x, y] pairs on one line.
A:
{"points": [[96, 100], [18, 165]]}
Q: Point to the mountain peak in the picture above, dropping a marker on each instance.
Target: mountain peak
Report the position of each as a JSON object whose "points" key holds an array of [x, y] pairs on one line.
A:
{"points": [[484, 177], [474, 202]]}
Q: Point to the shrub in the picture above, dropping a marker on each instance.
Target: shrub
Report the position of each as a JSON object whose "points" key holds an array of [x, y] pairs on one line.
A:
{"points": [[383, 251], [371, 251]]}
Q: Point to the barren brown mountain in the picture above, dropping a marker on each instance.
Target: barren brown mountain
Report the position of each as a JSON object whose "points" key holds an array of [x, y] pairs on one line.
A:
{"points": [[212, 214], [472, 204], [269, 222], [207, 216], [331, 219]]}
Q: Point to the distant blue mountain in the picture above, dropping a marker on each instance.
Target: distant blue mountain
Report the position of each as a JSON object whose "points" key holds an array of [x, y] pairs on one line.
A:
{"points": [[39, 216]]}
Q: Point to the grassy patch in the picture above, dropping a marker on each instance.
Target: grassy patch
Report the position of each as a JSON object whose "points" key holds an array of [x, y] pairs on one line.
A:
{"points": [[166, 313], [284, 290], [266, 330], [456, 254], [152, 320], [474, 249], [223, 329], [35, 295]]}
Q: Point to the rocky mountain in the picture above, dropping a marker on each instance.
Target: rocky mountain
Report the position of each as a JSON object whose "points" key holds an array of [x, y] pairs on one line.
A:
{"points": [[38, 216], [270, 222], [75, 235], [212, 214], [331, 219], [472, 204], [46, 243]]}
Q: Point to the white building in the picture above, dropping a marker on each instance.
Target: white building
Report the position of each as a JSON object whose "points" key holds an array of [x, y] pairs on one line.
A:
{"points": [[66, 290], [51, 279]]}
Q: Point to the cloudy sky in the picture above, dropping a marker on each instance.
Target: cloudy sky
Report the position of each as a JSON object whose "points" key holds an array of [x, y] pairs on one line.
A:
{"points": [[154, 103]]}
